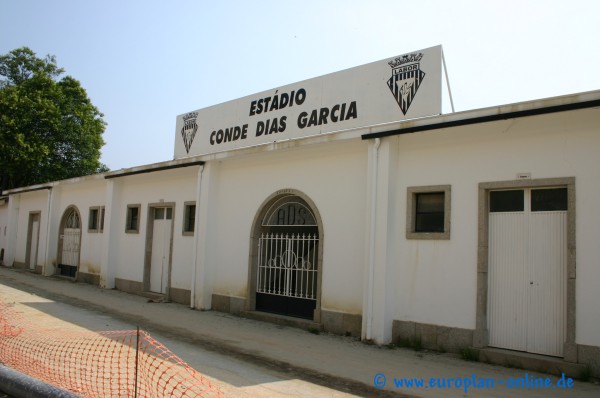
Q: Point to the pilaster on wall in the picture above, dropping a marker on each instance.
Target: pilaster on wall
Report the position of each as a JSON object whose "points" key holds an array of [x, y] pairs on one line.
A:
{"points": [[381, 216], [111, 234], [14, 204], [203, 274], [52, 227]]}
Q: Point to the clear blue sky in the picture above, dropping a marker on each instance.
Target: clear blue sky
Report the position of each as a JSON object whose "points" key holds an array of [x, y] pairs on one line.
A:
{"points": [[145, 62]]}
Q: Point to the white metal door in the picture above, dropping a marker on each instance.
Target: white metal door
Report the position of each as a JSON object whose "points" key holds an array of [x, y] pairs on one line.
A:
{"points": [[34, 240], [161, 249], [527, 271]]}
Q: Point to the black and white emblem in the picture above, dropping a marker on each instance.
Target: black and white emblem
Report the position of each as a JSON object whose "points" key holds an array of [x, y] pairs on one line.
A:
{"points": [[188, 132], [406, 79]]}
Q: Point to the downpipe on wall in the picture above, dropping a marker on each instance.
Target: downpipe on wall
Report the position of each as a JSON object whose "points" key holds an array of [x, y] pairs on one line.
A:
{"points": [[369, 334], [196, 224]]}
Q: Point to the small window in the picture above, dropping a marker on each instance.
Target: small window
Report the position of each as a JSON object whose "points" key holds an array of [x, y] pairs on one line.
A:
{"points": [[507, 201], [93, 220], [428, 212], [189, 218], [554, 199], [133, 219], [96, 219]]}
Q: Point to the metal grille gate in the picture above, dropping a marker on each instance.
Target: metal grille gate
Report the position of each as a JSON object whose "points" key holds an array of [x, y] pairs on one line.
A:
{"points": [[287, 265], [287, 268], [71, 238]]}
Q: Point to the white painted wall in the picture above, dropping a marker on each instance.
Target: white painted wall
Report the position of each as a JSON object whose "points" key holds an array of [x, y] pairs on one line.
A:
{"points": [[83, 195], [436, 280], [34, 201], [176, 185], [333, 175]]}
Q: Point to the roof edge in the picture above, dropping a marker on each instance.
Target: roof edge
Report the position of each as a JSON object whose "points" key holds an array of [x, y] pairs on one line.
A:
{"points": [[503, 112]]}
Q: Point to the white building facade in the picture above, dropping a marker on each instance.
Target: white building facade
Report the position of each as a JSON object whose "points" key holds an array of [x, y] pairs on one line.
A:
{"points": [[471, 229]]}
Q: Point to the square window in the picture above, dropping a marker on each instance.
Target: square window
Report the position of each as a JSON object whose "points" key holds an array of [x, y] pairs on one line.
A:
{"points": [[133, 219], [428, 212], [189, 218]]}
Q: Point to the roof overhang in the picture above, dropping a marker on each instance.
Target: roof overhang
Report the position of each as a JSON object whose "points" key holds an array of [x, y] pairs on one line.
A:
{"points": [[151, 168], [485, 115]]}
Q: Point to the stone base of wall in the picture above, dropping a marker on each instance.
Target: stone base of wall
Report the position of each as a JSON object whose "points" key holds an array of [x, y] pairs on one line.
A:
{"points": [[128, 286], [331, 321], [457, 340], [341, 323], [181, 296], [589, 356], [92, 279], [229, 304], [431, 337], [19, 265]]}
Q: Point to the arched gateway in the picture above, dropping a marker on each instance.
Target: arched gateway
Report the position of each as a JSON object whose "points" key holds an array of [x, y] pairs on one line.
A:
{"points": [[286, 258], [69, 243]]}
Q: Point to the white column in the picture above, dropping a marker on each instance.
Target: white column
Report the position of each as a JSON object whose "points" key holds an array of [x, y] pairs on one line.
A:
{"points": [[47, 266], [204, 236], [14, 203], [111, 232], [382, 208], [53, 228]]}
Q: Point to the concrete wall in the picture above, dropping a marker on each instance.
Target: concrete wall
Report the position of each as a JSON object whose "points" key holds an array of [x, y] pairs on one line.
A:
{"points": [[171, 187], [83, 195], [333, 176], [435, 280], [31, 202]]}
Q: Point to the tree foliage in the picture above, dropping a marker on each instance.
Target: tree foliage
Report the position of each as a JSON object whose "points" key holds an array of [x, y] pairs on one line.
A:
{"points": [[49, 129]]}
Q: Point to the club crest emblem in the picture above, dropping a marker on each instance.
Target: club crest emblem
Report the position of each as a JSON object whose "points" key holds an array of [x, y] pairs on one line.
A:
{"points": [[406, 79], [188, 132]]}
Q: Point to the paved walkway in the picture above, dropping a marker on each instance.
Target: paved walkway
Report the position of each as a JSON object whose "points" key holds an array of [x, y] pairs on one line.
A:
{"points": [[337, 362]]}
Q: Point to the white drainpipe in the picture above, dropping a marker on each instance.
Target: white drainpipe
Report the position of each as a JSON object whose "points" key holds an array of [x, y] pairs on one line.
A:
{"points": [[369, 333], [48, 220], [196, 228]]}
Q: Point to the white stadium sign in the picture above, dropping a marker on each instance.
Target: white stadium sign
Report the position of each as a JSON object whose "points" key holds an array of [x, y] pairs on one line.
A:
{"points": [[403, 87]]}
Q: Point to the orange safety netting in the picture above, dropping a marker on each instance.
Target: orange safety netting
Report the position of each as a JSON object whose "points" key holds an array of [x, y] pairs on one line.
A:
{"points": [[98, 364]]}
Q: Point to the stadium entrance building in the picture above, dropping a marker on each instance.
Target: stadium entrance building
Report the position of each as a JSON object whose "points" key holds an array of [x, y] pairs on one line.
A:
{"points": [[349, 203]]}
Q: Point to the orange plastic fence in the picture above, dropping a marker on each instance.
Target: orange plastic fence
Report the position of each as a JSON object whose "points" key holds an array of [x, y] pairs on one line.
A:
{"points": [[98, 364]]}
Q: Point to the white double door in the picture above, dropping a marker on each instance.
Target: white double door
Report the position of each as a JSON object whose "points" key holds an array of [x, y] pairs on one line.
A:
{"points": [[528, 270], [162, 233]]}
